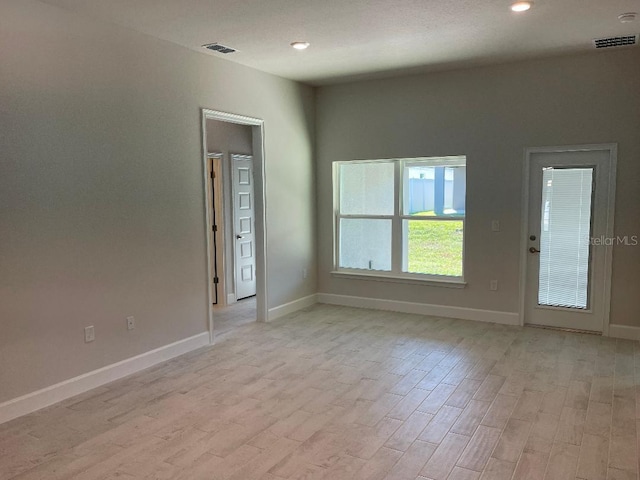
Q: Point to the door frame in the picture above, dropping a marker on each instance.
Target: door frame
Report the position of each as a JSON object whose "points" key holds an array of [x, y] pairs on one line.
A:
{"points": [[257, 131], [215, 191], [612, 148]]}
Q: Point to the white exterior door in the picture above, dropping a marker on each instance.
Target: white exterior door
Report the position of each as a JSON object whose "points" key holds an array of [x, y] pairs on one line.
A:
{"points": [[244, 225], [567, 272]]}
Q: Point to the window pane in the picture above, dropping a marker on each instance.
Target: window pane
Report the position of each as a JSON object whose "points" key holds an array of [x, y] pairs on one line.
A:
{"points": [[366, 188], [365, 243], [434, 190], [433, 247], [564, 237]]}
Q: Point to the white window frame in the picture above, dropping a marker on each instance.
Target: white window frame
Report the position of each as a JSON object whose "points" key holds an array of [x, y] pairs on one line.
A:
{"points": [[398, 244]]}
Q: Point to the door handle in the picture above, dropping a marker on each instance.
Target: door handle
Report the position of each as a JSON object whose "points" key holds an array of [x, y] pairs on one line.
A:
{"points": [[239, 237], [534, 250]]}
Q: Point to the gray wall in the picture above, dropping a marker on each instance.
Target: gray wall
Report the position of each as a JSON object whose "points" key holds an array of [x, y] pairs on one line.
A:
{"points": [[101, 190], [490, 115], [228, 139]]}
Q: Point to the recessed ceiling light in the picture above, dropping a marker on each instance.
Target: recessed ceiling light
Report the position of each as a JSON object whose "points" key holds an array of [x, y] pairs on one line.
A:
{"points": [[300, 45], [521, 6], [627, 17]]}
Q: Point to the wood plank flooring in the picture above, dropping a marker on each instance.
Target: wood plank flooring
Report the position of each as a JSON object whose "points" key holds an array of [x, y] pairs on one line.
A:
{"points": [[230, 317], [341, 393]]}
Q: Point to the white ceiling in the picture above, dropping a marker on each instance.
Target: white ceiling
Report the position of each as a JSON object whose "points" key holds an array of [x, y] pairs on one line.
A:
{"points": [[361, 38]]}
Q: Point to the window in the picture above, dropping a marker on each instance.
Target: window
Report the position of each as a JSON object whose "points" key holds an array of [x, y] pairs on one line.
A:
{"points": [[401, 218]]}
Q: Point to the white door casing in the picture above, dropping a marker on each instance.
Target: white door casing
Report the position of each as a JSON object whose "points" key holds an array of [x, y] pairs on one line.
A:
{"points": [[243, 225], [260, 205], [570, 198]]}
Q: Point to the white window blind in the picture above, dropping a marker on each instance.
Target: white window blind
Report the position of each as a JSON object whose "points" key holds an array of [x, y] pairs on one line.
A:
{"points": [[564, 237], [367, 206]]}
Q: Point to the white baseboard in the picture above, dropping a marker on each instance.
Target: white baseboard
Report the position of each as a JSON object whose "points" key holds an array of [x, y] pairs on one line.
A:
{"points": [[287, 308], [231, 298], [505, 318], [624, 331], [74, 386]]}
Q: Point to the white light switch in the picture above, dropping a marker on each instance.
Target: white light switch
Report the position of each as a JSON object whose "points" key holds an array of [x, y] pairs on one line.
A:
{"points": [[89, 334], [495, 225]]}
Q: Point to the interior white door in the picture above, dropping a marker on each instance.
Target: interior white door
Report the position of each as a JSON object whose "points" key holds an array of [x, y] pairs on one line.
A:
{"points": [[566, 274], [244, 226]]}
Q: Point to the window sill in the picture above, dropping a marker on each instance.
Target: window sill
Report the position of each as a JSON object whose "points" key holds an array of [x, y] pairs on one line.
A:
{"points": [[400, 279]]}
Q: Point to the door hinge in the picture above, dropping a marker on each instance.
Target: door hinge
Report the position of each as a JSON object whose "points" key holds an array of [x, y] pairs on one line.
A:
{"points": [[216, 280], [214, 228], [213, 174]]}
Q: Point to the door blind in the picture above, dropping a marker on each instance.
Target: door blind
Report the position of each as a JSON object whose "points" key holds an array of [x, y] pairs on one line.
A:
{"points": [[564, 237]]}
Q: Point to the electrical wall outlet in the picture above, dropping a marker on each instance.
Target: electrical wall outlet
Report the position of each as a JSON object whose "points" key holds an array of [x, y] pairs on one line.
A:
{"points": [[89, 334], [493, 285], [131, 323], [495, 225]]}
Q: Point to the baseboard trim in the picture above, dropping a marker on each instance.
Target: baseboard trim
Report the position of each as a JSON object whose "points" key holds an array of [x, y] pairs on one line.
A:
{"points": [[231, 298], [34, 401], [624, 331], [504, 318], [287, 308]]}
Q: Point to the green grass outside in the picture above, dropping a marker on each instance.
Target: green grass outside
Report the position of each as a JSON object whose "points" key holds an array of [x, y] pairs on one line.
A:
{"points": [[435, 247]]}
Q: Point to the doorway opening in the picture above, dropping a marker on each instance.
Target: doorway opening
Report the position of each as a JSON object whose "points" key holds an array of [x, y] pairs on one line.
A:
{"points": [[235, 220], [568, 204]]}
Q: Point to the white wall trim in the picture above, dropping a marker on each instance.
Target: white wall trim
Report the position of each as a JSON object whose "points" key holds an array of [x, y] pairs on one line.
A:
{"points": [[231, 298], [504, 318], [287, 308], [408, 279], [74, 386], [624, 331]]}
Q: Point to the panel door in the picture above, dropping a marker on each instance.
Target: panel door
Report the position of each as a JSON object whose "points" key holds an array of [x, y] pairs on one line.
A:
{"points": [[244, 226]]}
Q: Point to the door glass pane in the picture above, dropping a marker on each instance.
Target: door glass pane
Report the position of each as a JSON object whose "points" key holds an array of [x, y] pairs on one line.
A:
{"points": [[564, 237], [365, 243], [434, 190], [434, 247], [366, 188]]}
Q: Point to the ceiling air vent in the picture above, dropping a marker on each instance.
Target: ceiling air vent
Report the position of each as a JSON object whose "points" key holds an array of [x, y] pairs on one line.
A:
{"points": [[216, 47], [624, 41]]}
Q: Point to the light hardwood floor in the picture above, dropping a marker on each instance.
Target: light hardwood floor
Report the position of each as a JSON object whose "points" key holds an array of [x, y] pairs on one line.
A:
{"points": [[230, 317], [341, 393]]}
